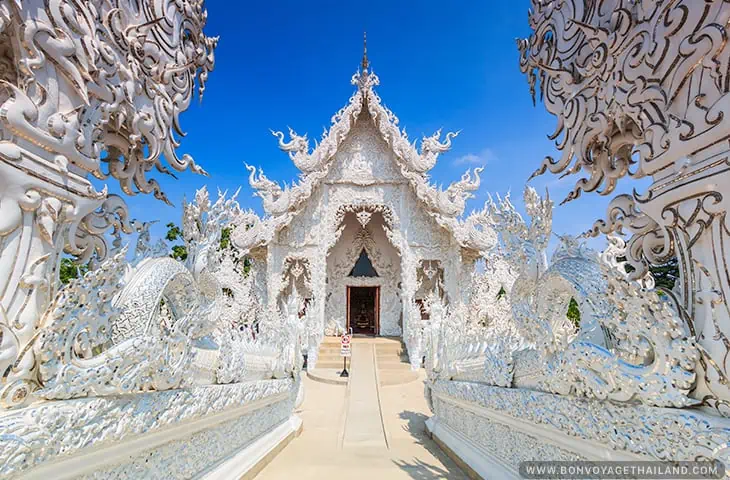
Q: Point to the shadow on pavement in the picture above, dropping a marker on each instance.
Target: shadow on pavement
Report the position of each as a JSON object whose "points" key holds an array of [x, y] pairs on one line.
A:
{"points": [[418, 469]]}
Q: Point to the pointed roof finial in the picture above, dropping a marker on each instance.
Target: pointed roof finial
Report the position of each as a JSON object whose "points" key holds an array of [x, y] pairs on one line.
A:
{"points": [[365, 62]]}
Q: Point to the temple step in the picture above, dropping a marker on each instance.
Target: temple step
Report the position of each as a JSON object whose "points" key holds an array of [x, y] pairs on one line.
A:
{"points": [[391, 358]]}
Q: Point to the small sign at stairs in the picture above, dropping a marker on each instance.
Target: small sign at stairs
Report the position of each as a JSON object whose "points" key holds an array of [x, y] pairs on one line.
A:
{"points": [[345, 346], [345, 351]]}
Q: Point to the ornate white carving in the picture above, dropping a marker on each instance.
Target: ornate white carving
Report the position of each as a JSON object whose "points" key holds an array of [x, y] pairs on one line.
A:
{"points": [[618, 79], [639, 89], [103, 335], [658, 433], [363, 216], [630, 343], [315, 166], [462, 343], [58, 430], [505, 444], [126, 73], [97, 88], [202, 449], [88, 89], [81, 320]]}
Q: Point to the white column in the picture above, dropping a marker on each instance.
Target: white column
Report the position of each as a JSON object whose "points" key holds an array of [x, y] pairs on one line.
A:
{"points": [[41, 206]]}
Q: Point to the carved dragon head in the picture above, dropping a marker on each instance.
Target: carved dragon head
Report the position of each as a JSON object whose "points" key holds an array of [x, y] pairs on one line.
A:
{"points": [[297, 147], [265, 189], [432, 147], [456, 195], [202, 226]]}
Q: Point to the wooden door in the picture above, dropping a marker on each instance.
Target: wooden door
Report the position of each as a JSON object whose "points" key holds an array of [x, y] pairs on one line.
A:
{"points": [[377, 311], [347, 326], [363, 310]]}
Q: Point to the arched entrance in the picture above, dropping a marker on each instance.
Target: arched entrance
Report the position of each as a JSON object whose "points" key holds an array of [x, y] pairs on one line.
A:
{"points": [[364, 273]]}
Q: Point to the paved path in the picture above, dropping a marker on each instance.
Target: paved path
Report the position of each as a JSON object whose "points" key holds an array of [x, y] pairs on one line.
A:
{"points": [[363, 426], [345, 438]]}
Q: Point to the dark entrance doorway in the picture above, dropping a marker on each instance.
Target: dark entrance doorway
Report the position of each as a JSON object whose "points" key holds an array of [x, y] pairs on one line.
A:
{"points": [[363, 307]]}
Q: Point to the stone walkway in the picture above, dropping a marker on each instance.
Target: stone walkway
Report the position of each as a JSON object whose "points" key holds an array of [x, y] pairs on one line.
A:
{"points": [[362, 432], [363, 425]]}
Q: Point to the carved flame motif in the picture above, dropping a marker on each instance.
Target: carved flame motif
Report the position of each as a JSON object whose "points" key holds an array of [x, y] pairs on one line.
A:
{"points": [[122, 74], [635, 86]]}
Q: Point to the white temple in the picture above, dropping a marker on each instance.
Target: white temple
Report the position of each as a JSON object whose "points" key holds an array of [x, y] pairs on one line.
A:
{"points": [[117, 372], [362, 234]]}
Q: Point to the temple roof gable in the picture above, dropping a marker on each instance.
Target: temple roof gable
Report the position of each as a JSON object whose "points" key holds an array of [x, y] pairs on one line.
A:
{"points": [[413, 163], [445, 206]]}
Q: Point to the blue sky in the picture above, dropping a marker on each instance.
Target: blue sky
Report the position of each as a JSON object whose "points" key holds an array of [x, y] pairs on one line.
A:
{"points": [[452, 65]]}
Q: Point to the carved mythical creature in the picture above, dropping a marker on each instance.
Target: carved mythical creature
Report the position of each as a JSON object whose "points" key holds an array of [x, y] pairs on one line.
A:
{"points": [[91, 89], [490, 299], [475, 341], [312, 333], [476, 231], [144, 249], [446, 204], [161, 323], [298, 149], [241, 309], [94, 341], [630, 345], [431, 148], [279, 201], [456, 195], [281, 328]]}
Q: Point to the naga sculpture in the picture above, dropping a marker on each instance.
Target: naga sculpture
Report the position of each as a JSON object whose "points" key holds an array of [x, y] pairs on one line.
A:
{"points": [[87, 89], [630, 344], [641, 89], [161, 324], [432, 147], [474, 342], [93, 341]]}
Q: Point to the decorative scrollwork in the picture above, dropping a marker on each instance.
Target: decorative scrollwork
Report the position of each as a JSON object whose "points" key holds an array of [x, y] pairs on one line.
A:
{"points": [[637, 85], [630, 344], [86, 89], [641, 89], [126, 71]]}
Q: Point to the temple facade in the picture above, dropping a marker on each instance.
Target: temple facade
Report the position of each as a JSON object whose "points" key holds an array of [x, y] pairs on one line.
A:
{"points": [[362, 236]]}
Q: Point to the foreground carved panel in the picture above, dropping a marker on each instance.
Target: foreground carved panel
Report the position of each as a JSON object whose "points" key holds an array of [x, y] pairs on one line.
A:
{"points": [[88, 89], [643, 89], [113, 374], [526, 385], [629, 345], [192, 456], [34, 435], [564, 428]]}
